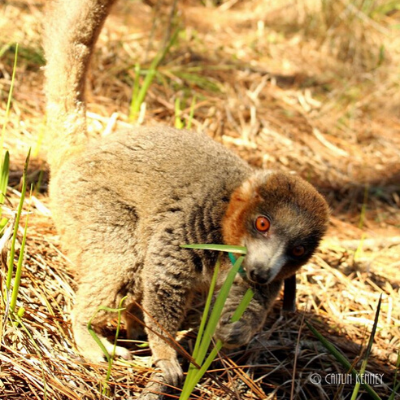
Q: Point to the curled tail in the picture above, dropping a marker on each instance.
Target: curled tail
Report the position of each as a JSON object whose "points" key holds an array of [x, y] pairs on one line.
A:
{"points": [[71, 31]]}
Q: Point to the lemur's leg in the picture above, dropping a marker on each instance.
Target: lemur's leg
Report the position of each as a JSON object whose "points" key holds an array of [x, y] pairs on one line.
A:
{"points": [[166, 296], [88, 299]]}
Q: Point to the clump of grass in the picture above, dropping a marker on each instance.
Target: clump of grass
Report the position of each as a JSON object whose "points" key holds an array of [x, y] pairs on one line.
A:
{"points": [[4, 174], [179, 124], [16, 225], [139, 92], [18, 272], [207, 328]]}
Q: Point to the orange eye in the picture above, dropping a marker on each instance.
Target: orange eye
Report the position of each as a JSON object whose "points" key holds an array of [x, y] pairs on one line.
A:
{"points": [[298, 251], [262, 224]]}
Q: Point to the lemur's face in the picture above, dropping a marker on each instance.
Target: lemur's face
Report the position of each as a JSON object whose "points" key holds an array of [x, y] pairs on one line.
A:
{"points": [[277, 245], [280, 219]]}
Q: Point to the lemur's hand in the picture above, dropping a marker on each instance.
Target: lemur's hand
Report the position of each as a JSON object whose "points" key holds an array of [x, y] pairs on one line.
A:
{"points": [[234, 334]]}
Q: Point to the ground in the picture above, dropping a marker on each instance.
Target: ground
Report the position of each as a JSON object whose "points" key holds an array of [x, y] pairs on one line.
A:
{"points": [[304, 86]]}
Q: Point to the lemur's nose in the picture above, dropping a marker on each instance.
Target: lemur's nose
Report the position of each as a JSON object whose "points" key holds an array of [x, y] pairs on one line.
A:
{"points": [[259, 276]]}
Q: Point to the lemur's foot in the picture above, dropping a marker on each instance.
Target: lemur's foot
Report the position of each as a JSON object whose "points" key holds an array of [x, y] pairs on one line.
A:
{"points": [[171, 370]]}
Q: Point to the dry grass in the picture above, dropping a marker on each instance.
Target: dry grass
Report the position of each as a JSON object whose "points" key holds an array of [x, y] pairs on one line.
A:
{"points": [[286, 84]]}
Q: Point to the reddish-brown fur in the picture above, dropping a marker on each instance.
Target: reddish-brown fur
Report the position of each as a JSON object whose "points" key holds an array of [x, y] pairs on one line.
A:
{"points": [[233, 224]]}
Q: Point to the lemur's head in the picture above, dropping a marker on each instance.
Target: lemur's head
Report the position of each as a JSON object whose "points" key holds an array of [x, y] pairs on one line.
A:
{"points": [[280, 218]]}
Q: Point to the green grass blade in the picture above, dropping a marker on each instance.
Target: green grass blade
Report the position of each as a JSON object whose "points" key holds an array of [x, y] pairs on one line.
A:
{"points": [[202, 82], [373, 332], [151, 73], [192, 368], [195, 380], [161, 55], [3, 224], [96, 338], [243, 305], [207, 307], [216, 312], [203, 341], [135, 93], [219, 247], [396, 390], [136, 85], [368, 352], [93, 333], [218, 346], [235, 317], [178, 112], [120, 309], [191, 114], [4, 175], [396, 385], [142, 94], [38, 184], [110, 361], [18, 273], [5, 169], [342, 359], [17, 218], [108, 356], [21, 312]]}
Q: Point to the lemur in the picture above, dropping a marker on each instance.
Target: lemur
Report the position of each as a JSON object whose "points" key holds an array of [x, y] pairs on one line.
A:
{"points": [[125, 203]]}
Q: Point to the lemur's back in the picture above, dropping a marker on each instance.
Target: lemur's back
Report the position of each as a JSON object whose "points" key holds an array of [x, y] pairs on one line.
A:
{"points": [[138, 176], [133, 164]]}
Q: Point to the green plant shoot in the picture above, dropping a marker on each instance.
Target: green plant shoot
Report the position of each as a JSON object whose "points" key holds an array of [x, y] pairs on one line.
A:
{"points": [[207, 330], [17, 219]]}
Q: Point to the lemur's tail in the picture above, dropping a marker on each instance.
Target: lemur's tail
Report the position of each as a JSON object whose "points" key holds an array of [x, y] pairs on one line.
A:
{"points": [[71, 31]]}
